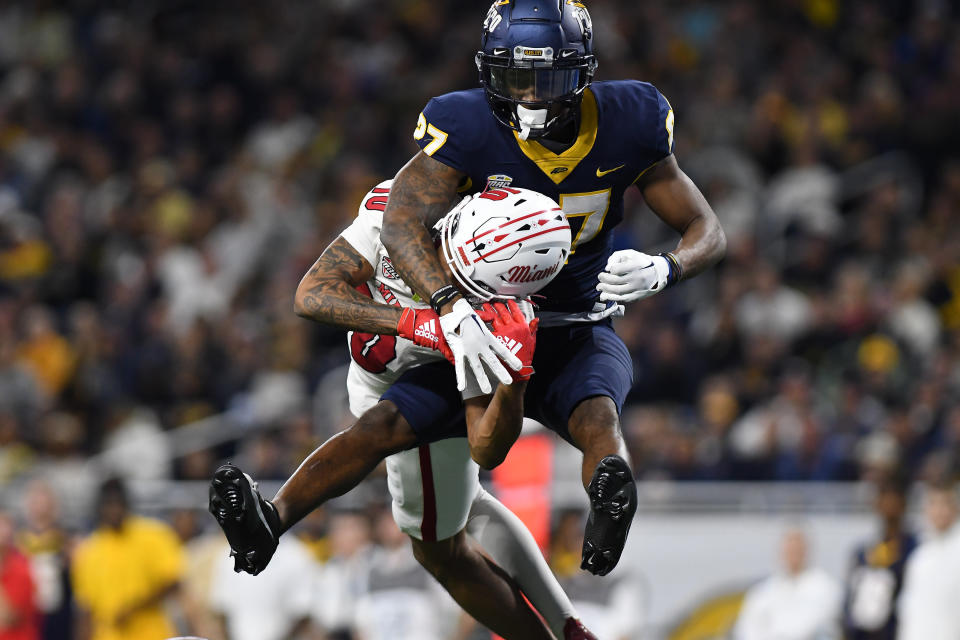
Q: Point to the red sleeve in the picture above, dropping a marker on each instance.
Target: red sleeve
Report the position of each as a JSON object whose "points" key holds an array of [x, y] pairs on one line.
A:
{"points": [[18, 584]]}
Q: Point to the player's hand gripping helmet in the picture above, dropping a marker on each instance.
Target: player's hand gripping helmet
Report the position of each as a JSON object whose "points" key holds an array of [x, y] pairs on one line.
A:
{"points": [[505, 243], [536, 60]]}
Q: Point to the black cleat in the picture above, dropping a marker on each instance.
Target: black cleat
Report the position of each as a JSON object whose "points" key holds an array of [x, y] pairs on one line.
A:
{"points": [[250, 523], [613, 501]]}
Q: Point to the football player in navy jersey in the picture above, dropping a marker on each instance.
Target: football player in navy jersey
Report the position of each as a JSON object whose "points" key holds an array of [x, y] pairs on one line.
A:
{"points": [[539, 122], [877, 572]]}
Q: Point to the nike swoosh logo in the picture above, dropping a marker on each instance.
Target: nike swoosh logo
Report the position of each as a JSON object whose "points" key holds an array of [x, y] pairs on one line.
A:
{"points": [[600, 174]]}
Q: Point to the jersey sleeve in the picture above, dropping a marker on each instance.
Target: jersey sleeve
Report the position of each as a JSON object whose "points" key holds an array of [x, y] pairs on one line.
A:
{"points": [[447, 129], [652, 131], [19, 585], [363, 234], [166, 560]]}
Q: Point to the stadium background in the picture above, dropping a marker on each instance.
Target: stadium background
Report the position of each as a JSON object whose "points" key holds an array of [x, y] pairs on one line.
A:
{"points": [[169, 170]]}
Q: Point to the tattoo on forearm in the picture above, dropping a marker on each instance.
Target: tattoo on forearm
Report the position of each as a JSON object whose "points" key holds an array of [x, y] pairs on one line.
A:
{"points": [[311, 304], [328, 295], [422, 194]]}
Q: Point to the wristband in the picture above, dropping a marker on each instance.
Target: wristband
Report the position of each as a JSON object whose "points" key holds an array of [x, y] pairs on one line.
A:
{"points": [[675, 270], [443, 296]]}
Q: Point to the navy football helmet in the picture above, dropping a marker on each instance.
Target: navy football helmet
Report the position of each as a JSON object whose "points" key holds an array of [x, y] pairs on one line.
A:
{"points": [[535, 62]]}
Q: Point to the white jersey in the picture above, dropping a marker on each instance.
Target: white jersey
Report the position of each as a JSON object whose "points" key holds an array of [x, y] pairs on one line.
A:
{"points": [[433, 485], [377, 361]]}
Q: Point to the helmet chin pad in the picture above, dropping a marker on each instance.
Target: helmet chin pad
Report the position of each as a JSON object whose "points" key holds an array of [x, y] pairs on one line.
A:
{"points": [[531, 120], [537, 121]]}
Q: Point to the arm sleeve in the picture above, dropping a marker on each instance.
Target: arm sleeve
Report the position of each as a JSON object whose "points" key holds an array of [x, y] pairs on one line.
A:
{"points": [[445, 130], [747, 626], [627, 607], [363, 234], [219, 600], [327, 613], [663, 126], [20, 587], [79, 578], [302, 584], [653, 121], [167, 561]]}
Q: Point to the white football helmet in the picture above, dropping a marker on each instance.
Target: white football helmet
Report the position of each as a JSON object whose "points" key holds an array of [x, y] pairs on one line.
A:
{"points": [[505, 243]]}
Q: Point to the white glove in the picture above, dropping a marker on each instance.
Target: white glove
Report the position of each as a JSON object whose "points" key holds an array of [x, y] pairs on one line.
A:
{"points": [[470, 340], [631, 276]]}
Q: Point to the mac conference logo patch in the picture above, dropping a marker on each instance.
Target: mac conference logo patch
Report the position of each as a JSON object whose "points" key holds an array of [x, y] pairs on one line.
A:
{"points": [[498, 181]]}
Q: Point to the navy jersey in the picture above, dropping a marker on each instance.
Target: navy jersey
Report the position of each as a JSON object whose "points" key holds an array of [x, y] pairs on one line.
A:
{"points": [[626, 127], [873, 587]]}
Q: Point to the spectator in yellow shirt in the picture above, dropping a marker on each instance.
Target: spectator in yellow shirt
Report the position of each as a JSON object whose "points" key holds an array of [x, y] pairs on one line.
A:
{"points": [[123, 572]]}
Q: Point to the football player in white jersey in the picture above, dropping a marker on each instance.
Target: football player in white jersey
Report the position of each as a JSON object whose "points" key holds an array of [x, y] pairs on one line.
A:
{"points": [[434, 486]]}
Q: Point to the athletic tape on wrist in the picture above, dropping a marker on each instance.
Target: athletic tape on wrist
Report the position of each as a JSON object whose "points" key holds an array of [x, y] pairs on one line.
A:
{"points": [[443, 296], [676, 272]]}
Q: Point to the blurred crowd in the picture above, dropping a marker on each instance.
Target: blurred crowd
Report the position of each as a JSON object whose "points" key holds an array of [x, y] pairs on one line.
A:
{"points": [[345, 574], [900, 585], [352, 575], [170, 169]]}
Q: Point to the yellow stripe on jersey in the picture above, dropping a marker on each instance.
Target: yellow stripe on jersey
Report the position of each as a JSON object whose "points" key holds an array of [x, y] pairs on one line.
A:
{"points": [[558, 166]]}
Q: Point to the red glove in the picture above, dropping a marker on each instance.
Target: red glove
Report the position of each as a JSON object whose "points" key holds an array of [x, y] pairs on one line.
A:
{"points": [[509, 325], [422, 327]]}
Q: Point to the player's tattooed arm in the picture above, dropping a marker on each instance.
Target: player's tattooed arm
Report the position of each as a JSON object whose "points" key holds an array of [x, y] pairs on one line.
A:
{"points": [[328, 294], [494, 423], [422, 193], [678, 202]]}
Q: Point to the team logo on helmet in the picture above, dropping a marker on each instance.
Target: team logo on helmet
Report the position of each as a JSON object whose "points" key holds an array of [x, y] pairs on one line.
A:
{"points": [[493, 17], [489, 235], [498, 181], [583, 17], [511, 242], [526, 273]]}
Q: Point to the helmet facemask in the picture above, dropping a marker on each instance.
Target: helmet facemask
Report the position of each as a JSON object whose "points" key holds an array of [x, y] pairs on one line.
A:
{"points": [[459, 265], [533, 91]]}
